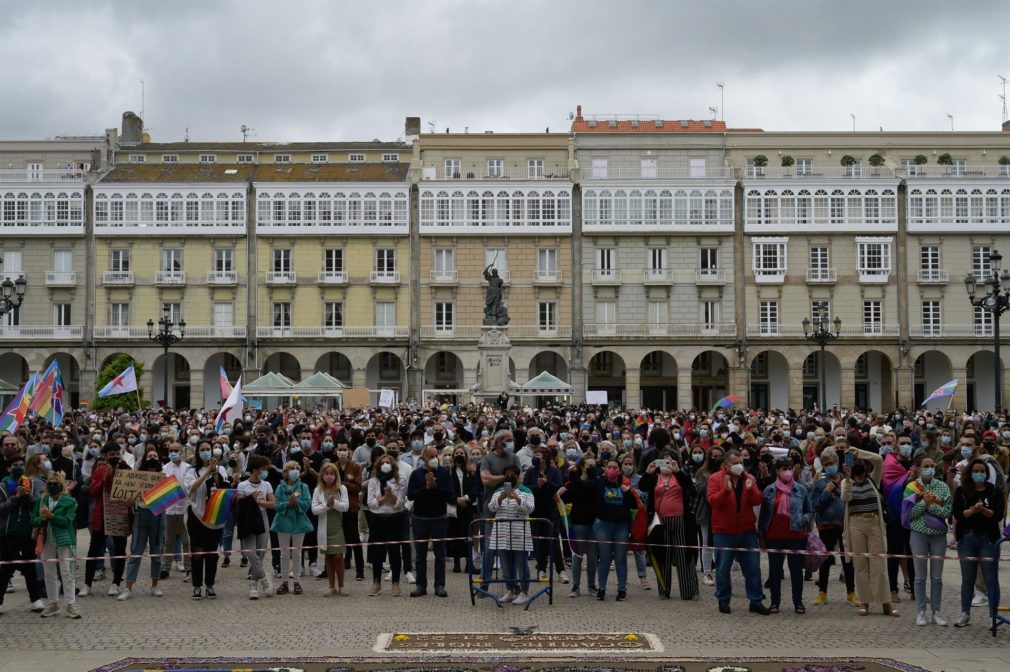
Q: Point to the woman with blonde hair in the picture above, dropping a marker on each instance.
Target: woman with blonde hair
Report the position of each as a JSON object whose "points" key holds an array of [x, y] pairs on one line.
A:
{"points": [[329, 502], [291, 523], [54, 516]]}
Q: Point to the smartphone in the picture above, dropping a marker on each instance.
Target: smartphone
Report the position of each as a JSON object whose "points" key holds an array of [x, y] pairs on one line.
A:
{"points": [[508, 487], [662, 464], [850, 458]]}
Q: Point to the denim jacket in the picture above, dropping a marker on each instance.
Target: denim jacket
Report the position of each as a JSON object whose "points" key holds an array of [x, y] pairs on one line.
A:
{"points": [[828, 507], [801, 510]]}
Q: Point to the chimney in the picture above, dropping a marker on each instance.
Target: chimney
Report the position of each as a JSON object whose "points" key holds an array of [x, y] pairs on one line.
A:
{"points": [[578, 113], [412, 128], [133, 129], [1006, 126]]}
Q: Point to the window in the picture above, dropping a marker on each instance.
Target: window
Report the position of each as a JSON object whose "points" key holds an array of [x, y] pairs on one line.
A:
{"points": [[495, 168], [333, 261], [385, 261], [959, 167], [356, 158], [768, 318], [599, 169], [759, 366], [208, 158], [171, 259], [443, 316], [243, 158], [697, 168], [819, 264], [170, 158], [754, 170], [810, 367], [390, 158], [873, 259], [908, 165], [497, 257], [63, 261], [820, 310], [119, 260], [855, 170], [605, 260], [547, 315], [658, 312], [385, 314], [224, 260], [929, 262], [282, 315], [12, 264], [224, 314], [173, 310], [603, 362], [320, 158], [804, 166], [872, 323], [770, 258], [983, 322], [333, 314], [452, 168], [282, 158], [709, 314], [931, 318], [657, 258], [547, 262], [119, 314], [653, 363], [606, 312], [649, 168], [980, 266], [281, 261], [708, 260], [535, 168], [445, 262], [12, 318], [138, 158], [61, 315]]}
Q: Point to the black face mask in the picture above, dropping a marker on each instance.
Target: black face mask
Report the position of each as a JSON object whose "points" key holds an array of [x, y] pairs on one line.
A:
{"points": [[370, 442], [459, 459], [232, 463], [113, 462], [151, 465], [438, 436], [535, 440], [591, 472]]}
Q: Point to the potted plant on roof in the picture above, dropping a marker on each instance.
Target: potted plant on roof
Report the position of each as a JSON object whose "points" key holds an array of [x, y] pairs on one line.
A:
{"points": [[787, 163], [758, 164], [1004, 163], [848, 162], [919, 160], [875, 160]]}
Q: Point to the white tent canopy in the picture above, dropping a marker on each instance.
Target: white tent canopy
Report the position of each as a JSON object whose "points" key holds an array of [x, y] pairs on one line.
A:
{"points": [[269, 384], [543, 384], [320, 384]]}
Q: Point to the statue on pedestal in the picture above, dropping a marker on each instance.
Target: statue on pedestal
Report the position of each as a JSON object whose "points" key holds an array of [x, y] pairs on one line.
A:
{"points": [[495, 312]]}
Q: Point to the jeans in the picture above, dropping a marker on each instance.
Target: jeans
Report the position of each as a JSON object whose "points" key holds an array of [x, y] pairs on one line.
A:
{"points": [[976, 544], [517, 570], [935, 545], [707, 554], [612, 539], [583, 550], [777, 560], [434, 529], [385, 535], [19, 552], [148, 532], [97, 548], [227, 536], [254, 549], [641, 564], [750, 565]]}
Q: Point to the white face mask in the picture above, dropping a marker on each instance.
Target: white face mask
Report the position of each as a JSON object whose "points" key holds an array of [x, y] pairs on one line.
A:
{"points": [[433, 463], [736, 469], [386, 468]]}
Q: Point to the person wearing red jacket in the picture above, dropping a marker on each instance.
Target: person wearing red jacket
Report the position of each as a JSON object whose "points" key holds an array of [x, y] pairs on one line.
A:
{"points": [[732, 495], [98, 491]]}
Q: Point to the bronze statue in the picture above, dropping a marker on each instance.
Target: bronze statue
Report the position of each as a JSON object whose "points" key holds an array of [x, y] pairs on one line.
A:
{"points": [[495, 312]]}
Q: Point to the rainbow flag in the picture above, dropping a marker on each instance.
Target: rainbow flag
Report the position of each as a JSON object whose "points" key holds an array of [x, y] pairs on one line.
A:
{"points": [[50, 395], [945, 390], [642, 422], [725, 402], [565, 523], [219, 507], [163, 495], [17, 410]]}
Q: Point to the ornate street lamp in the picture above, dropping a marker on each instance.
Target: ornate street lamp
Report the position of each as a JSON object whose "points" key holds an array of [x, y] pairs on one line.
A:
{"points": [[167, 337], [12, 293], [819, 331], [996, 300]]}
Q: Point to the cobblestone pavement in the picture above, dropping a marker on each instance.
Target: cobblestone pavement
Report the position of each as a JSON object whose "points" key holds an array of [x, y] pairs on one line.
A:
{"points": [[314, 625]]}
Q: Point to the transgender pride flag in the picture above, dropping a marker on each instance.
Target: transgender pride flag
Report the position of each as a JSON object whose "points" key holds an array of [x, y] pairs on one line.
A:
{"points": [[945, 390]]}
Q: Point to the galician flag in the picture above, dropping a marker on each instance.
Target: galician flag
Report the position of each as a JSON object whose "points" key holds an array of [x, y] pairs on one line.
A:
{"points": [[945, 390], [231, 409], [124, 382]]}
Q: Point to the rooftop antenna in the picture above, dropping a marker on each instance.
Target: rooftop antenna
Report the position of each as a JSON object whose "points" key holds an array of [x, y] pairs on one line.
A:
{"points": [[431, 126], [187, 134], [951, 117], [1003, 95], [246, 132], [722, 98], [715, 112], [853, 122]]}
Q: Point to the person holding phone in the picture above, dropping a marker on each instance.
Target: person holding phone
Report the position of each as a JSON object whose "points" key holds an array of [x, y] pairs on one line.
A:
{"points": [[511, 505], [201, 481], [829, 512]]}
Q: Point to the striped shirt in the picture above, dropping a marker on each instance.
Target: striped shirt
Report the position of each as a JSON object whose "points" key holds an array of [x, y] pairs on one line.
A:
{"points": [[864, 497]]}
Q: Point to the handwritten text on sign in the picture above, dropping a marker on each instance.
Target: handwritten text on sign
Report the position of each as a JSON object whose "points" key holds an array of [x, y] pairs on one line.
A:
{"points": [[128, 484]]}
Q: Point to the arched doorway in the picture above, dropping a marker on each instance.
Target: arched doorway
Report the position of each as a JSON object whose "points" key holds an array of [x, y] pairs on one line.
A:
{"points": [[283, 363], [980, 381], [173, 368], [384, 370], [709, 379], [212, 376], [607, 373], [70, 371], [443, 377], [551, 362], [812, 376], [337, 365], [659, 381], [932, 369], [13, 368], [874, 382], [769, 381]]}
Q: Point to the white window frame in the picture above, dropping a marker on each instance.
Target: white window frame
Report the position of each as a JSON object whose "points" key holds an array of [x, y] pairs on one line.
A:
{"points": [[171, 259], [356, 157], [333, 260], [600, 168], [535, 169], [649, 168], [874, 259], [333, 315], [320, 158], [453, 169], [280, 314], [495, 168], [224, 260], [170, 158], [547, 261], [708, 260], [282, 158], [709, 315], [119, 314], [445, 261], [547, 315], [697, 167], [768, 317], [280, 260], [390, 158], [138, 158], [386, 310], [932, 318], [62, 314], [761, 249], [873, 312], [983, 321], [244, 158], [208, 158], [385, 260], [63, 261], [444, 316], [120, 260], [981, 266], [804, 166]]}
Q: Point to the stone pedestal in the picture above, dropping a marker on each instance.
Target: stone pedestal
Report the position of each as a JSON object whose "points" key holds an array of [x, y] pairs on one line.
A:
{"points": [[493, 377]]}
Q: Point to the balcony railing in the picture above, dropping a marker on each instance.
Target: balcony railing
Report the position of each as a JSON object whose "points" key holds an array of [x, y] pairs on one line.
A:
{"points": [[281, 277], [662, 173], [518, 173], [170, 278], [332, 278], [385, 278], [61, 279], [936, 170], [796, 330], [506, 277], [681, 330], [444, 277], [876, 276], [118, 278], [657, 276], [333, 332], [956, 331], [41, 332], [606, 276], [533, 331], [192, 332], [822, 275], [856, 172], [931, 276], [222, 278], [769, 277], [549, 277], [43, 175], [710, 276]]}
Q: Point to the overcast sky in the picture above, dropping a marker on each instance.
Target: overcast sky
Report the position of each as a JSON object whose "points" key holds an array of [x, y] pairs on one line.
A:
{"points": [[314, 70]]}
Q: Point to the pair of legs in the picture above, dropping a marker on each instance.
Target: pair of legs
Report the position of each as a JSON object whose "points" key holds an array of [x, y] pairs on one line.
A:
{"points": [[291, 555], [204, 542], [517, 570], [385, 537], [975, 544], [426, 529], [64, 556], [775, 568], [584, 551], [96, 548], [750, 565], [148, 533], [832, 538], [923, 545], [612, 542], [18, 554], [176, 532], [353, 537], [254, 549]]}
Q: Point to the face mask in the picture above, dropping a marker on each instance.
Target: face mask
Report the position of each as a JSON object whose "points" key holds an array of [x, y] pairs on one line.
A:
{"points": [[193, 440], [945, 440], [306, 443], [329, 479], [416, 445], [386, 468], [697, 458], [205, 455], [459, 459], [264, 474], [1006, 435], [886, 449], [831, 470], [572, 454], [152, 465], [94, 452], [295, 450], [638, 441], [676, 436], [293, 474], [217, 452], [611, 473], [628, 469], [342, 454], [978, 476], [328, 445], [627, 444], [905, 449], [703, 433], [786, 476], [113, 461], [510, 446], [96, 437], [54, 488], [736, 469], [370, 442], [927, 474], [226, 430], [967, 452], [562, 435], [174, 455], [132, 440]]}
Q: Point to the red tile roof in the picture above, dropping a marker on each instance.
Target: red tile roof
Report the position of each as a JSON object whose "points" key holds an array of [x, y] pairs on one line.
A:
{"points": [[615, 124]]}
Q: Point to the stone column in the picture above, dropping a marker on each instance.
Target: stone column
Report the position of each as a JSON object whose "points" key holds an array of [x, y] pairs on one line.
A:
{"points": [[358, 378], [196, 399], [579, 380], [905, 380], [685, 399], [848, 392], [796, 387], [633, 387], [960, 400], [739, 384]]}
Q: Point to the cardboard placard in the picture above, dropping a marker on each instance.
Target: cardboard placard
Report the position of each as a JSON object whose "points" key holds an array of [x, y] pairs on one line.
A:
{"points": [[117, 518], [386, 398], [126, 484], [596, 397], [357, 398]]}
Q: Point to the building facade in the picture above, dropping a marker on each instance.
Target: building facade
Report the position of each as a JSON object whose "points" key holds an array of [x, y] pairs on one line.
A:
{"points": [[666, 262]]}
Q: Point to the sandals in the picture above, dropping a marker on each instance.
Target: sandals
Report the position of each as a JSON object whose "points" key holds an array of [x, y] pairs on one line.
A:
{"points": [[800, 609], [864, 609], [773, 609], [889, 610], [297, 589]]}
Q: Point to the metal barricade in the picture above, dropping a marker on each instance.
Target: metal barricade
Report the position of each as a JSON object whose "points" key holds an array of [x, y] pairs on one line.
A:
{"points": [[506, 545], [997, 618]]}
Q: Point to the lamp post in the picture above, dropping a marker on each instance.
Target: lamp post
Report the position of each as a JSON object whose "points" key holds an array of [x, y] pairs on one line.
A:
{"points": [[996, 300], [166, 337], [819, 331], [12, 293]]}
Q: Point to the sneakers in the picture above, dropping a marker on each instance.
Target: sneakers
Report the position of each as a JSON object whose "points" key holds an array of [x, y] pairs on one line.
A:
{"points": [[197, 594], [395, 591], [84, 591], [939, 619], [921, 619], [314, 569], [37, 606], [622, 595], [156, 592], [521, 598], [179, 566], [113, 590], [963, 620], [601, 595], [100, 575], [254, 593], [574, 593], [419, 592], [51, 610], [508, 597], [266, 586], [542, 577], [821, 598], [854, 600], [388, 576], [563, 575], [210, 593], [908, 587], [980, 599], [245, 562], [644, 582], [124, 595], [376, 589], [709, 580], [759, 608], [409, 576], [226, 562], [72, 611]]}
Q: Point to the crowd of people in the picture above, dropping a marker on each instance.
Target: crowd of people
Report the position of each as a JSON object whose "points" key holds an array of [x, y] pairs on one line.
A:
{"points": [[323, 493]]}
